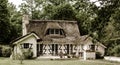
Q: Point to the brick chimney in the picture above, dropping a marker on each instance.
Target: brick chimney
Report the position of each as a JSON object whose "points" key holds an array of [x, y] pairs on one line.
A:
{"points": [[25, 21]]}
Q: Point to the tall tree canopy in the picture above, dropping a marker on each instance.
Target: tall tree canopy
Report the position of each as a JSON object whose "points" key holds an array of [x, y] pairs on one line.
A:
{"points": [[15, 22], [4, 22], [107, 24], [82, 11], [10, 22]]}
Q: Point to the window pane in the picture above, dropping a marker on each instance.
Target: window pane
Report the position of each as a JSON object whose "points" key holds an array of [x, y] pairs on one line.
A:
{"points": [[92, 47], [56, 49], [26, 45], [56, 31], [61, 32], [53, 49], [52, 31]]}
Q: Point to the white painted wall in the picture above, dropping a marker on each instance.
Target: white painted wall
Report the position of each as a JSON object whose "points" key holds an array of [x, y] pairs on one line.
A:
{"points": [[25, 21], [86, 44], [32, 40], [90, 55], [101, 50]]}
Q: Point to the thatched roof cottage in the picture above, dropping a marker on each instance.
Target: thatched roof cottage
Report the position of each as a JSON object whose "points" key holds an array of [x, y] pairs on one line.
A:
{"points": [[49, 38]]}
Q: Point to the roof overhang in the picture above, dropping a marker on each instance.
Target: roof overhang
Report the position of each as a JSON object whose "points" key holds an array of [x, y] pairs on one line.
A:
{"points": [[25, 37]]}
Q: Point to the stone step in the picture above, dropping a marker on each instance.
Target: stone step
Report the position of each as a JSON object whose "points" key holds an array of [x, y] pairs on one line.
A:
{"points": [[48, 57]]}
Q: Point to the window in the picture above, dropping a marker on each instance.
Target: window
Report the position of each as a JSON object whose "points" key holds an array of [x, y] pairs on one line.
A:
{"points": [[61, 32], [26, 45], [55, 31], [92, 47], [71, 48], [55, 49], [52, 31], [48, 32]]}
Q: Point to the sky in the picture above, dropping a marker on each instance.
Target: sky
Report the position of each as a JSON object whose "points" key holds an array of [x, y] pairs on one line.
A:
{"points": [[18, 2]]}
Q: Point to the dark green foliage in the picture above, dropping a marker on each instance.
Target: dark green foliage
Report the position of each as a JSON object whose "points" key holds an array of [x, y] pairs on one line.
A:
{"points": [[10, 26], [4, 22], [5, 51], [116, 51], [15, 22], [64, 12]]}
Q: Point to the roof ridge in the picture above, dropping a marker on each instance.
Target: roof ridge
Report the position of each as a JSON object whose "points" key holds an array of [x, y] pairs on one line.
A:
{"points": [[51, 21]]}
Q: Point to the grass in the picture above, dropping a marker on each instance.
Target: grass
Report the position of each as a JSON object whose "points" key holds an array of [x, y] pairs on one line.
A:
{"points": [[7, 61]]}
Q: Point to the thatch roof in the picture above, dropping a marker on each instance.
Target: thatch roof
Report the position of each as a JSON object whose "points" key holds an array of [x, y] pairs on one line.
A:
{"points": [[54, 25], [40, 26], [86, 38]]}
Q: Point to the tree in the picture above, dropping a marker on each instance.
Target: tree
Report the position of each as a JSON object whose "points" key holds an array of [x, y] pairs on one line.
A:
{"points": [[15, 22], [105, 15], [10, 22], [32, 8], [4, 22], [107, 23], [116, 51], [64, 12]]}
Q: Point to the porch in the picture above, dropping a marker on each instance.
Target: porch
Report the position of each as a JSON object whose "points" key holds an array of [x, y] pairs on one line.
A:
{"points": [[50, 50]]}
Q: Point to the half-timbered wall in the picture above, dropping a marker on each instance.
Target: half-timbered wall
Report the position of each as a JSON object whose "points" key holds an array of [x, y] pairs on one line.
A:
{"points": [[55, 49]]}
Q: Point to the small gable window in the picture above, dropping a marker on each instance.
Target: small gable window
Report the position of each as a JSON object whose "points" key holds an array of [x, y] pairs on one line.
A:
{"points": [[92, 47], [26, 45]]}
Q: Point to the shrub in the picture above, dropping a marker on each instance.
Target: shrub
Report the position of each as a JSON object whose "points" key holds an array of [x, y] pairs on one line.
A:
{"points": [[28, 54], [6, 51], [116, 51], [61, 54]]}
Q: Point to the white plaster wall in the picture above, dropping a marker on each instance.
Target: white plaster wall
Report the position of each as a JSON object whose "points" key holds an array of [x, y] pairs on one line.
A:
{"points": [[31, 40], [86, 45], [90, 55], [101, 50]]}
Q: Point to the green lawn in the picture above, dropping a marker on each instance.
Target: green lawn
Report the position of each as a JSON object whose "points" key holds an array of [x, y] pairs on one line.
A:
{"points": [[7, 61]]}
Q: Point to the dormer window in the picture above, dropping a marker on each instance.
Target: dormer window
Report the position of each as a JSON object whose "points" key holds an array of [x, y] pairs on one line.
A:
{"points": [[55, 32], [51, 31]]}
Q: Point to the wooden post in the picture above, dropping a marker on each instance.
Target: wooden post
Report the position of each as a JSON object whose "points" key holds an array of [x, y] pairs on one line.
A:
{"points": [[47, 49], [69, 49], [54, 48], [84, 55]]}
